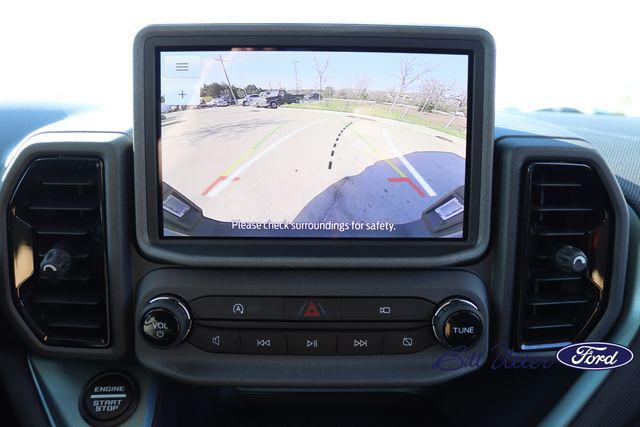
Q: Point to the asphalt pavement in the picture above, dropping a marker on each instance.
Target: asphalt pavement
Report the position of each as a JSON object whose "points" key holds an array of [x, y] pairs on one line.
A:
{"points": [[248, 164]]}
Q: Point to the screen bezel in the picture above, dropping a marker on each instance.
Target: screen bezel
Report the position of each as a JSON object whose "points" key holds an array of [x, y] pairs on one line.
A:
{"points": [[230, 251]]}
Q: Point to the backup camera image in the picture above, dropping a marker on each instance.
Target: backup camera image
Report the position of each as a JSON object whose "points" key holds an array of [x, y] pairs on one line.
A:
{"points": [[326, 144]]}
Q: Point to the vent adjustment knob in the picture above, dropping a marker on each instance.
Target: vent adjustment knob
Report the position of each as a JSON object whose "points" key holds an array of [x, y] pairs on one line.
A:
{"points": [[457, 322], [570, 259], [166, 321], [56, 262]]}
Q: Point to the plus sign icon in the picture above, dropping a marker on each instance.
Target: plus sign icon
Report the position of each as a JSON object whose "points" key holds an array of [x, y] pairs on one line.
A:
{"points": [[181, 92], [181, 79]]}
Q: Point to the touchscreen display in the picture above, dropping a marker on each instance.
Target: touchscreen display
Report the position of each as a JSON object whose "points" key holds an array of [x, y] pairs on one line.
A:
{"points": [[313, 144]]}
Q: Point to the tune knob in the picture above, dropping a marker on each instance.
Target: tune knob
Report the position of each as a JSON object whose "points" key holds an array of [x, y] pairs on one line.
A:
{"points": [[571, 259], [166, 321], [457, 322]]}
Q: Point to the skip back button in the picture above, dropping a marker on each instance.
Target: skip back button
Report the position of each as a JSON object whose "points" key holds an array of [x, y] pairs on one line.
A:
{"points": [[263, 342]]}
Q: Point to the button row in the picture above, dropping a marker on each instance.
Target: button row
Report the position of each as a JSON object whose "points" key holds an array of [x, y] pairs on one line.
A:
{"points": [[310, 342], [311, 309]]}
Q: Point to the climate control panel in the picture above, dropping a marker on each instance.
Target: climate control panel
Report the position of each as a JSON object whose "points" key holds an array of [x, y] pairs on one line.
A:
{"points": [[310, 325], [293, 327]]}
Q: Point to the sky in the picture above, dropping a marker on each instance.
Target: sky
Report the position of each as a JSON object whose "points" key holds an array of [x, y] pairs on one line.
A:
{"points": [[581, 54], [274, 69]]}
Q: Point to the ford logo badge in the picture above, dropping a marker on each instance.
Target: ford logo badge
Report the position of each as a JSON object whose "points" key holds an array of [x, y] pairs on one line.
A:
{"points": [[594, 356]]}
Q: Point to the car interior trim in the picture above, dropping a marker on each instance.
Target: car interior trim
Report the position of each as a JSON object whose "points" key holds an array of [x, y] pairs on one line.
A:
{"points": [[627, 327]]}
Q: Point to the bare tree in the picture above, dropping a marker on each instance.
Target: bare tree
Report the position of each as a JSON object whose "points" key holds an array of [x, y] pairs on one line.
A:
{"points": [[320, 71], [435, 93], [460, 101], [362, 85], [410, 72]]}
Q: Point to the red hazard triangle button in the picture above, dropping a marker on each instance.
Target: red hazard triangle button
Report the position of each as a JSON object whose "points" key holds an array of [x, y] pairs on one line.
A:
{"points": [[312, 310]]}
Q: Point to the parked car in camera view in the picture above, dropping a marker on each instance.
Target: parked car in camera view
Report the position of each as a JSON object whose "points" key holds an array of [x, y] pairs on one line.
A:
{"points": [[220, 102], [249, 99], [313, 96], [275, 98]]}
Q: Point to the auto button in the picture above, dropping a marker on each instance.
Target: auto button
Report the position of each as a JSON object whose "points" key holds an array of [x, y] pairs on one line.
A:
{"points": [[239, 308]]}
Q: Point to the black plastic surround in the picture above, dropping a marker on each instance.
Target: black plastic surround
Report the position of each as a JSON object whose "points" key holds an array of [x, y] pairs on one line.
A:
{"points": [[293, 325], [113, 150], [567, 214], [315, 253], [514, 154], [57, 235]]}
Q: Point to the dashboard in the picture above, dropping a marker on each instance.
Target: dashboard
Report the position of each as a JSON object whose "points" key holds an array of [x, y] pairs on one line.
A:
{"points": [[285, 214]]}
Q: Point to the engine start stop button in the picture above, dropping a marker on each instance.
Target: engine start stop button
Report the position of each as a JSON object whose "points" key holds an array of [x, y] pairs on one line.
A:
{"points": [[109, 397]]}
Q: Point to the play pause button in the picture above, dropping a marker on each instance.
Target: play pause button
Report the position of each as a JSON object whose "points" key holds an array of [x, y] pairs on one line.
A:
{"points": [[310, 343]]}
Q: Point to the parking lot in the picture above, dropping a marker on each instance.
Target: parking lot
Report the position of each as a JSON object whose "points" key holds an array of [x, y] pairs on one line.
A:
{"points": [[250, 164]]}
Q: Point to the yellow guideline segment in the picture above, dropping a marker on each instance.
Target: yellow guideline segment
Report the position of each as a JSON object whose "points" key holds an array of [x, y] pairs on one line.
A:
{"points": [[247, 153], [377, 153]]}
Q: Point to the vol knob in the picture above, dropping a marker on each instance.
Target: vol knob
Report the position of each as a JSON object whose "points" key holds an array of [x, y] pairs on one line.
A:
{"points": [[571, 259], [166, 321], [457, 322]]}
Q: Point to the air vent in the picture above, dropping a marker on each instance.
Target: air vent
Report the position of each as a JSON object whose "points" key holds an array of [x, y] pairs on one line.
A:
{"points": [[57, 211], [565, 207]]}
